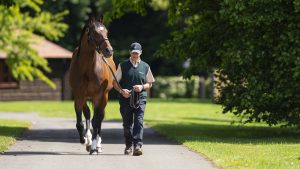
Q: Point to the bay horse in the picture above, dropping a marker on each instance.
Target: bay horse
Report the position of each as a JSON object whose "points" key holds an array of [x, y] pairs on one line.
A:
{"points": [[91, 80]]}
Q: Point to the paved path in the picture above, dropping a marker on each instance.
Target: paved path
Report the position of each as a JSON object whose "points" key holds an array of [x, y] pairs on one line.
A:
{"points": [[52, 143]]}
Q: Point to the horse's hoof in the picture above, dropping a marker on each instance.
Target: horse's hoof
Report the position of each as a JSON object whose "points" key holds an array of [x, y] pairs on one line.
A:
{"points": [[82, 140], [94, 152], [88, 148]]}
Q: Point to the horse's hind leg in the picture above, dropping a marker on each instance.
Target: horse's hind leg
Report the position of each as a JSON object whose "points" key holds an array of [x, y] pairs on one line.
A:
{"points": [[79, 125], [88, 134]]}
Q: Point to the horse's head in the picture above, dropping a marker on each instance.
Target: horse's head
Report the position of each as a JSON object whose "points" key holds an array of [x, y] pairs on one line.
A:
{"points": [[97, 36]]}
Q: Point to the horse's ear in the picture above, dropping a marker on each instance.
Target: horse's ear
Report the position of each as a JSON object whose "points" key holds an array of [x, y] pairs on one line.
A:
{"points": [[91, 20], [101, 18]]}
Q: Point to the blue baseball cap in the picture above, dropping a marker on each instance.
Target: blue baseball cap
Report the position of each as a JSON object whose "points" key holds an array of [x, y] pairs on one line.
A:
{"points": [[136, 47]]}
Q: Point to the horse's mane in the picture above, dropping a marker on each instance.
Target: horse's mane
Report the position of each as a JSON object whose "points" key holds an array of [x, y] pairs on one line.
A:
{"points": [[82, 33]]}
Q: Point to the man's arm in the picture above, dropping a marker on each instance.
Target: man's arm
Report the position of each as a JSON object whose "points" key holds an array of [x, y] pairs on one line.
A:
{"points": [[124, 92], [149, 78], [146, 86], [118, 78], [116, 87]]}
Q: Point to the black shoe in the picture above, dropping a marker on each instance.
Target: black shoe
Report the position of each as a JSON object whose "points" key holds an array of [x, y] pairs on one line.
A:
{"points": [[137, 151], [128, 150]]}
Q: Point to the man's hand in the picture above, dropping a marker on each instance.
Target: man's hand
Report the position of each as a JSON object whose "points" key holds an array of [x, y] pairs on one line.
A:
{"points": [[138, 88], [125, 93]]}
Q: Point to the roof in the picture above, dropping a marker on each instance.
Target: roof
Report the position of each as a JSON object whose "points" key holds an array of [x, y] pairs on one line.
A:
{"points": [[47, 49]]}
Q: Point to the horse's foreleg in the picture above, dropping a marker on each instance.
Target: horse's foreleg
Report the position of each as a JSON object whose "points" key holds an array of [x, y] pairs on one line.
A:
{"points": [[99, 140], [79, 125], [88, 134], [96, 122], [103, 104]]}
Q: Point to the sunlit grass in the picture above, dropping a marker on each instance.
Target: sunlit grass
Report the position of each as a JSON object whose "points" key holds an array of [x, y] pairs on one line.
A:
{"points": [[9, 130], [200, 126]]}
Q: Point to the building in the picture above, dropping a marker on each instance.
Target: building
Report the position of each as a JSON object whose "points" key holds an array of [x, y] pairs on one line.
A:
{"points": [[58, 59]]}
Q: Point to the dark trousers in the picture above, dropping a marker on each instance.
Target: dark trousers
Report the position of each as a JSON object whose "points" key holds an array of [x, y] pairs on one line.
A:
{"points": [[133, 120]]}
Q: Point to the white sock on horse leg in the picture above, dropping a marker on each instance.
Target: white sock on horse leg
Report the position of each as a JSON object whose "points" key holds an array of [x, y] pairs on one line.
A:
{"points": [[99, 147], [94, 144], [88, 137], [99, 140], [88, 134]]}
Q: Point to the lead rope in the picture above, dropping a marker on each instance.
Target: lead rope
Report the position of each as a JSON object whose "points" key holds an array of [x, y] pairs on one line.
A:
{"points": [[134, 97], [112, 72]]}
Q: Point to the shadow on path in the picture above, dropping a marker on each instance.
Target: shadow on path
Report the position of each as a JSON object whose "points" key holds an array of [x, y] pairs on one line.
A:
{"points": [[38, 153], [109, 136]]}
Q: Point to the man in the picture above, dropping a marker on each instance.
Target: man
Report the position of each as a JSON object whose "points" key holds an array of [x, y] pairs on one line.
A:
{"points": [[135, 77]]}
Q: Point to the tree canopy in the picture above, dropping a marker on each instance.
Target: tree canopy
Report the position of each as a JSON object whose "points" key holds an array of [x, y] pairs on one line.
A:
{"points": [[252, 45], [21, 21], [150, 30]]}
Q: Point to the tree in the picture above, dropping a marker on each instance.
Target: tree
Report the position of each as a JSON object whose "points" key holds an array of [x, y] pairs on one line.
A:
{"points": [[253, 45], [21, 23], [150, 30], [79, 12]]}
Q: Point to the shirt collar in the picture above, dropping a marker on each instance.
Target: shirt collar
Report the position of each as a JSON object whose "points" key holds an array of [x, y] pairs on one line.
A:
{"points": [[135, 65]]}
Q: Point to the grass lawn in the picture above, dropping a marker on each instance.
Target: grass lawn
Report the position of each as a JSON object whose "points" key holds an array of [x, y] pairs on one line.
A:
{"points": [[9, 130], [200, 126]]}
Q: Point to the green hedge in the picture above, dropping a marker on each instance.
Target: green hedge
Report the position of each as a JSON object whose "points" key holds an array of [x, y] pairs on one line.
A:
{"points": [[177, 87]]}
